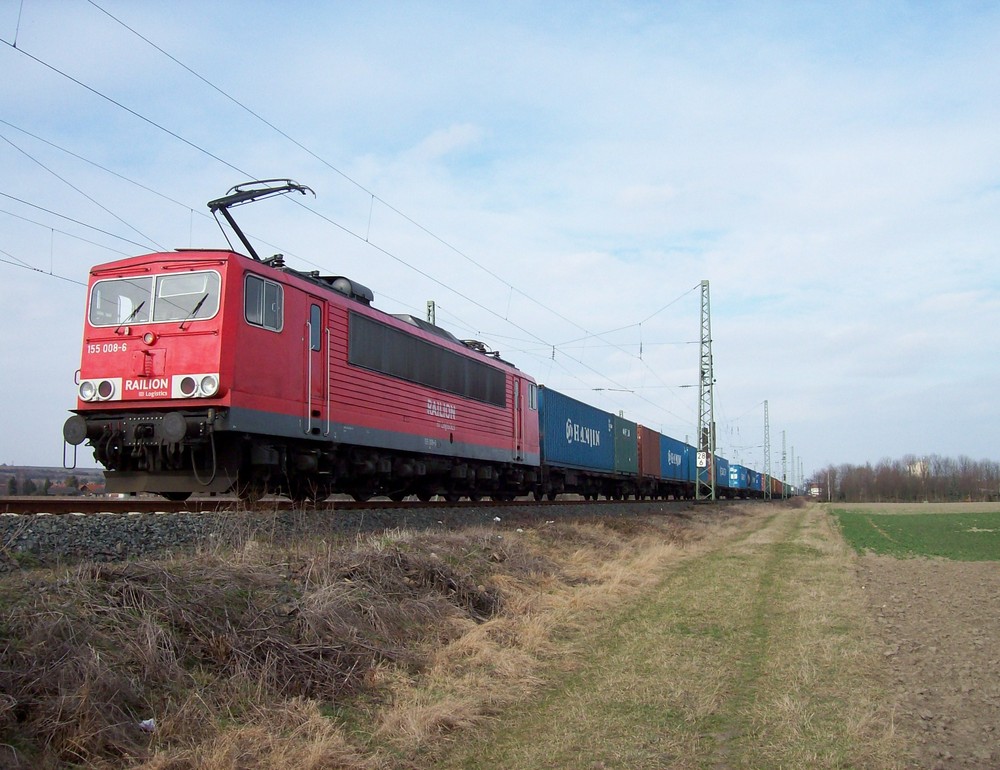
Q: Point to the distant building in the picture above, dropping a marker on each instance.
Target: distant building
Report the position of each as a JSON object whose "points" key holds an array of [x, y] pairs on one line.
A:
{"points": [[92, 488]]}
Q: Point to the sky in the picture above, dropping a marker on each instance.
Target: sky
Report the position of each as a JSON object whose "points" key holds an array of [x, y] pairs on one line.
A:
{"points": [[559, 178]]}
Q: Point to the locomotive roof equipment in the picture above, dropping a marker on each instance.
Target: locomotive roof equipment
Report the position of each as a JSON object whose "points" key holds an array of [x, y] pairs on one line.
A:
{"points": [[245, 193]]}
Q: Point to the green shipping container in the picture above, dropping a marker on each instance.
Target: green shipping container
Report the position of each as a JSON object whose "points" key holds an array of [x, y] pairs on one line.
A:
{"points": [[626, 447]]}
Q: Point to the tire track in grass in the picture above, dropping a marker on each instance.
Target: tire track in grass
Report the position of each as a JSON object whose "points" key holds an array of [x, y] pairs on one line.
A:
{"points": [[752, 655], [649, 682]]}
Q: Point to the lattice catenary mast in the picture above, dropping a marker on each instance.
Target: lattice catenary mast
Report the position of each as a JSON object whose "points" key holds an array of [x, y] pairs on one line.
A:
{"points": [[705, 484], [767, 454], [784, 464]]}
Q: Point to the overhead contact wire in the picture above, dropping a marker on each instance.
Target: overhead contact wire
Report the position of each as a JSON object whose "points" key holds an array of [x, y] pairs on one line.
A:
{"points": [[65, 181], [25, 266], [74, 221], [130, 111], [347, 230], [335, 169]]}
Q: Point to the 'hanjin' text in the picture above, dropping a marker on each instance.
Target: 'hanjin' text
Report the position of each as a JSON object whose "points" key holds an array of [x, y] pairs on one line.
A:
{"points": [[581, 434]]}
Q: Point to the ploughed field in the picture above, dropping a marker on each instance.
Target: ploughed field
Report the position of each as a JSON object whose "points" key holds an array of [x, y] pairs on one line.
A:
{"points": [[931, 577]]}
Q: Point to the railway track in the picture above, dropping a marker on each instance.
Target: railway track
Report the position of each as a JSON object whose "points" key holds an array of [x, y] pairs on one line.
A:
{"points": [[62, 506], [80, 529], [95, 505]]}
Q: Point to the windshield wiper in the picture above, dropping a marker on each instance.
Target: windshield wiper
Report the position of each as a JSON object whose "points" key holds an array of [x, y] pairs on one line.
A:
{"points": [[131, 315], [195, 310]]}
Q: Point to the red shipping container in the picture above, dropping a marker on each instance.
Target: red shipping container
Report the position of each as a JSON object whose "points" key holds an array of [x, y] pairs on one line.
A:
{"points": [[649, 453]]}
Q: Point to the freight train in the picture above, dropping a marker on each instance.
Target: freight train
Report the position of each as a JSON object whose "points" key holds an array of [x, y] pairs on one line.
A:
{"points": [[209, 371]]}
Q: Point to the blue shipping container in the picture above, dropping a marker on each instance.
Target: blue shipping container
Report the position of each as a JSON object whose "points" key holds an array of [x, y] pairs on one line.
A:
{"points": [[738, 477], [676, 459], [574, 434], [721, 472]]}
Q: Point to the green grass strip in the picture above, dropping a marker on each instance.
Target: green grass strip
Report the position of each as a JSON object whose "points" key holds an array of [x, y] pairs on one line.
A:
{"points": [[958, 536]]}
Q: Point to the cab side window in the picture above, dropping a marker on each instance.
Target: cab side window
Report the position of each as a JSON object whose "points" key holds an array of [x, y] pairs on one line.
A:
{"points": [[263, 303], [315, 327]]}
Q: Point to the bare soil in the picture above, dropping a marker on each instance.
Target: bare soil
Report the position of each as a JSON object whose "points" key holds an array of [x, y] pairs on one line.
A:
{"points": [[940, 624]]}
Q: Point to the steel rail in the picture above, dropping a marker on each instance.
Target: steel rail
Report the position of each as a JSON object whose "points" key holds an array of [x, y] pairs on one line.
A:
{"points": [[64, 506]]}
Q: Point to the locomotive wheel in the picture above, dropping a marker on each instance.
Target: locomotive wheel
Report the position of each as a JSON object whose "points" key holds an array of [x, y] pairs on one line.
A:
{"points": [[176, 497]]}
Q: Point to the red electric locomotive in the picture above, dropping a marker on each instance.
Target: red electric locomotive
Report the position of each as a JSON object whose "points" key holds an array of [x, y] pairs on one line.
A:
{"points": [[210, 371]]}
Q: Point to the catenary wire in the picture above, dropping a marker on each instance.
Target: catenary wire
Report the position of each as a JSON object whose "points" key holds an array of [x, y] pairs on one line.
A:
{"points": [[65, 181], [186, 206], [357, 184], [67, 233], [338, 225], [74, 221], [17, 262], [335, 169]]}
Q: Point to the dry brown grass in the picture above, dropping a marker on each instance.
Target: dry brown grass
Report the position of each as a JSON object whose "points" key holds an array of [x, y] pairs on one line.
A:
{"points": [[503, 662], [88, 654], [351, 655], [293, 735]]}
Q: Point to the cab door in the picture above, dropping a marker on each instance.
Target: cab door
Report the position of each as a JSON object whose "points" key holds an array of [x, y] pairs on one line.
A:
{"points": [[316, 341], [518, 420]]}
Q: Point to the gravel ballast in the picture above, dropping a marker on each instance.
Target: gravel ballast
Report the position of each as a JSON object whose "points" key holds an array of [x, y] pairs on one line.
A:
{"points": [[45, 540]]}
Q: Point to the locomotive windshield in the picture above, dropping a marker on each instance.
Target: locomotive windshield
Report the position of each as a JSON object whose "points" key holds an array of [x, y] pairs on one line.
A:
{"points": [[162, 298]]}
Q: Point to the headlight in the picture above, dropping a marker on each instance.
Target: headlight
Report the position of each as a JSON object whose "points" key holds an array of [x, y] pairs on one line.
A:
{"points": [[209, 385], [201, 385], [188, 386], [100, 390]]}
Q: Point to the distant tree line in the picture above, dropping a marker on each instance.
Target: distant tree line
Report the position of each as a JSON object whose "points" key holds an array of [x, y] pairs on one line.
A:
{"points": [[911, 479], [29, 486]]}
